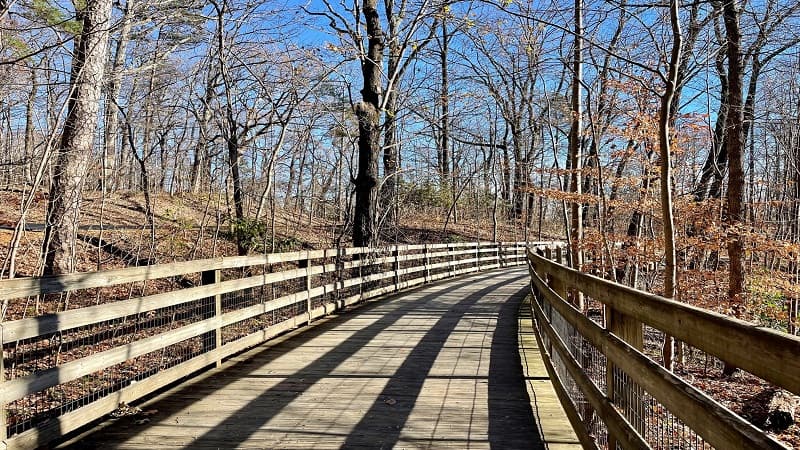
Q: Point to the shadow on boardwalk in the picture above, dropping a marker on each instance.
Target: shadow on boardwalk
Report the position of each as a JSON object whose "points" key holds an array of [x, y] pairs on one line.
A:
{"points": [[406, 371]]}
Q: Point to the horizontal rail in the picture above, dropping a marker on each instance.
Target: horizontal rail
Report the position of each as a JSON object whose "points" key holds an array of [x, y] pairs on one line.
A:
{"points": [[767, 353], [560, 323], [207, 322]]}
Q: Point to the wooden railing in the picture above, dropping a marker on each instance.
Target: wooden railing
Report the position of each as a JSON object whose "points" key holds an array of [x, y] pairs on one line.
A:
{"points": [[614, 394], [76, 347]]}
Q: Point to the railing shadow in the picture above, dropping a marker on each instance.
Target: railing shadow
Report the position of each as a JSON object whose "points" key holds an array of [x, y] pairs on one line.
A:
{"points": [[258, 411], [511, 422]]}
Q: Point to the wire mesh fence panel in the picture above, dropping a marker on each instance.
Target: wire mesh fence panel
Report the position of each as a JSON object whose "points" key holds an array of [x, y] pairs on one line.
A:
{"points": [[164, 318], [690, 407], [659, 427], [45, 354], [593, 363]]}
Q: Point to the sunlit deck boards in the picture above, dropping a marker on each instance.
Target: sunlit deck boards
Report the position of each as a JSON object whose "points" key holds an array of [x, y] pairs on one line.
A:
{"points": [[437, 367]]}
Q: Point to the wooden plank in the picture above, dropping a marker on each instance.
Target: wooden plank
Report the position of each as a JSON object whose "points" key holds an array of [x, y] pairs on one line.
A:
{"points": [[767, 353], [75, 318], [23, 287], [586, 440], [716, 424], [554, 422], [629, 330], [65, 320]]}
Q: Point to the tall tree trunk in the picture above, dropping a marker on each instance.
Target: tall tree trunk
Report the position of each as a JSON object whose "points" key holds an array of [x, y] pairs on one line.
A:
{"points": [[369, 132], [520, 172], [735, 146], [77, 139], [29, 140], [443, 154], [390, 149], [236, 179], [201, 163], [665, 145], [231, 130], [575, 151], [111, 117], [390, 141], [714, 169]]}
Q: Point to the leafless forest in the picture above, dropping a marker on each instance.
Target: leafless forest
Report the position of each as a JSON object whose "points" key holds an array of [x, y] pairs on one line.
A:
{"points": [[662, 140]]}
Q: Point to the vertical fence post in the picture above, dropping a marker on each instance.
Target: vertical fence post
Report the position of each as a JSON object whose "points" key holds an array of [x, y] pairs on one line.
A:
{"points": [[623, 395], [361, 258], [548, 279], [396, 267], [427, 260], [499, 251], [308, 285], [338, 284], [218, 315], [451, 263], [3, 433], [558, 286], [478, 256], [212, 307]]}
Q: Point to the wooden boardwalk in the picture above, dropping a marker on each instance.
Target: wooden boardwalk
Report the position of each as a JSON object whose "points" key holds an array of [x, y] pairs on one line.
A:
{"points": [[436, 367]]}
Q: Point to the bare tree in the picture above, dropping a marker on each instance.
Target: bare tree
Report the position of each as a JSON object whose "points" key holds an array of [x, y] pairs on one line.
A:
{"points": [[77, 141]]}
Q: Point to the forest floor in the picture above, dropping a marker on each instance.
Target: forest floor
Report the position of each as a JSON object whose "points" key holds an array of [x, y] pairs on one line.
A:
{"points": [[115, 232]]}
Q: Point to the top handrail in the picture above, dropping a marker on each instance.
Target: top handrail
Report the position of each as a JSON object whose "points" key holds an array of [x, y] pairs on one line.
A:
{"points": [[764, 352], [30, 286]]}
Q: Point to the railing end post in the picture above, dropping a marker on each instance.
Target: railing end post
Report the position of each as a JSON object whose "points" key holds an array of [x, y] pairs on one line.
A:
{"points": [[3, 432]]}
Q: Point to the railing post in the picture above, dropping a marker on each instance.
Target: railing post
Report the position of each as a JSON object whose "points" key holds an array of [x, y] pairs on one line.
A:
{"points": [[629, 330], [396, 266], [451, 265], [361, 258], [558, 286], [212, 308], [478, 256], [308, 286], [499, 251], [427, 260], [337, 281], [3, 433]]}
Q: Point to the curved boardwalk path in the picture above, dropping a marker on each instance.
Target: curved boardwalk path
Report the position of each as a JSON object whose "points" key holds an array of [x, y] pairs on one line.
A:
{"points": [[435, 367]]}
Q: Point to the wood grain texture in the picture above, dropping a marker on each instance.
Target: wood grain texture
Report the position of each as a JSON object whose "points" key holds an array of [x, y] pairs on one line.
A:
{"points": [[459, 262], [709, 419], [767, 353]]}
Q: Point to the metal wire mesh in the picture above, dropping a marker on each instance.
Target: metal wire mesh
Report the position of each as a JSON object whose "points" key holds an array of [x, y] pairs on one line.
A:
{"points": [[659, 427], [346, 276], [45, 353], [589, 358]]}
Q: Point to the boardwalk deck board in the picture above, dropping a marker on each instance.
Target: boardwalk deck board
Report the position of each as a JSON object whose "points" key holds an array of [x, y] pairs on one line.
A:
{"points": [[437, 367]]}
